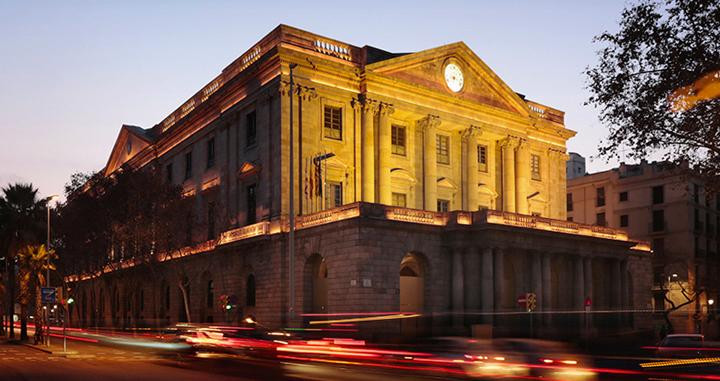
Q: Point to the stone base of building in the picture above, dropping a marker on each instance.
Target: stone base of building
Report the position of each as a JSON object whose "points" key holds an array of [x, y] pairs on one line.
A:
{"points": [[460, 272]]}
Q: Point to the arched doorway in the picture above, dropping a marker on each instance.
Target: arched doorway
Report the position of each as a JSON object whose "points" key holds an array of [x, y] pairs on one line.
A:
{"points": [[412, 292], [315, 284]]}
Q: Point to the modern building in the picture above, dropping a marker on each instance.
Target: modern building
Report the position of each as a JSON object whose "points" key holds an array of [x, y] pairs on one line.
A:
{"points": [[668, 207], [421, 183]]}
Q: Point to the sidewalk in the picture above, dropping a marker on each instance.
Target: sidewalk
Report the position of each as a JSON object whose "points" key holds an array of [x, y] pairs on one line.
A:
{"points": [[55, 348]]}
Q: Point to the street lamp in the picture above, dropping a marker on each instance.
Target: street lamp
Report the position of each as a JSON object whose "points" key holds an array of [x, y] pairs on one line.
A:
{"points": [[47, 248], [711, 302]]}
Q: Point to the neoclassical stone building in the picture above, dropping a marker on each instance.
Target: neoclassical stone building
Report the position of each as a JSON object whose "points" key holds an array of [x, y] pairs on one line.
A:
{"points": [[422, 183]]}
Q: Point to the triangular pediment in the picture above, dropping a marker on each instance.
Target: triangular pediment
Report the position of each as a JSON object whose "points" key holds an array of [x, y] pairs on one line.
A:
{"points": [[130, 141], [427, 69]]}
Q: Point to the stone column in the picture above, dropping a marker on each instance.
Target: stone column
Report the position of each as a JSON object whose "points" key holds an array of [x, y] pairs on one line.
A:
{"points": [[522, 177], [369, 108], [508, 173], [499, 270], [384, 154], [458, 301], [616, 301], [487, 284], [536, 277], [472, 279], [587, 262], [579, 301], [428, 126], [547, 301], [470, 156]]}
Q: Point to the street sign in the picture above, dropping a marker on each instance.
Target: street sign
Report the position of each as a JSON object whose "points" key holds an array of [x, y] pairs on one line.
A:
{"points": [[527, 301], [49, 295]]}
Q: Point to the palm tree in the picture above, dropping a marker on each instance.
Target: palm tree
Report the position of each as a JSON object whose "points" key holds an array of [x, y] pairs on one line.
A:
{"points": [[33, 262], [21, 223]]}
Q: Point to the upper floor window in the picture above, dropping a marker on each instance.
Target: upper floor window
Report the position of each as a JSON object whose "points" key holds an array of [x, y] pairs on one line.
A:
{"points": [[658, 220], [600, 196], [443, 205], [624, 220], [399, 199], [251, 197], [188, 165], [334, 194], [600, 219], [482, 157], [398, 140], [211, 153], [332, 122], [169, 173], [250, 129], [569, 202], [658, 195], [623, 196], [535, 166], [696, 193], [442, 148]]}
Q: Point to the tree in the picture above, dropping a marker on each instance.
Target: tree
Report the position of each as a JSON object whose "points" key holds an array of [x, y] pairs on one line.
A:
{"points": [[652, 84], [22, 222], [33, 263]]}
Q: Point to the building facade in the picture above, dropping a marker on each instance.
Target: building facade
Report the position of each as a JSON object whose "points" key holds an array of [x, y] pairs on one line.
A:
{"points": [[421, 182], [666, 206]]}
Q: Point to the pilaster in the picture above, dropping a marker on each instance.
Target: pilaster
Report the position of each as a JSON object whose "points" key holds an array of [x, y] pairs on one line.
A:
{"points": [[428, 126], [384, 152]]}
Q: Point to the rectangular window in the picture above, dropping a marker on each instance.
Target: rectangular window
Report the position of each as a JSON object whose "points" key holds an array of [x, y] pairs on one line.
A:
{"points": [[600, 219], [210, 220], [600, 196], [250, 129], [482, 157], [623, 196], [251, 199], [658, 246], [658, 196], [334, 194], [188, 165], [443, 205], [332, 122], [442, 148], [624, 221], [535, 167], [210, 153], [399, 199], [658, 220], [696, 193], [569, 202], [169, 173], [398, 140]]}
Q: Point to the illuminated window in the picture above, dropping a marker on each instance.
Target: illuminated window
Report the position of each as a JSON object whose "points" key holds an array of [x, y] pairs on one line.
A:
{"points": [[250, 129], [443, 205], [398, 140], [334, 194], [535, 166], [332, 122], [482, 157], [399, 199], [442, 147]]}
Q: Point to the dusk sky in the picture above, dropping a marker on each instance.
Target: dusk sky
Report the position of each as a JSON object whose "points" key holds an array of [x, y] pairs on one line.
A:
{"points": [[73, 72]]}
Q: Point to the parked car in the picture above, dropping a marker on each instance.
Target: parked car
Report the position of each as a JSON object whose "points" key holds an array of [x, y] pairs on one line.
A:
{"points": [[681, 346]]}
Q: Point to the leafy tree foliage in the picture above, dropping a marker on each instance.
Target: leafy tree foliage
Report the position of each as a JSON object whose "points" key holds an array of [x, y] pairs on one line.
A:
{"points": [[662, 55]]}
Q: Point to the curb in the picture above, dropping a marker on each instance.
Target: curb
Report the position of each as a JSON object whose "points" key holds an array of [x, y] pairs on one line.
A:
{"points": [[38, 348]]}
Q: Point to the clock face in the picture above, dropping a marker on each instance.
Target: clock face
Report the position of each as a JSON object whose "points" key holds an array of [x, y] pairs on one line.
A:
{"points": [[454, 77]]}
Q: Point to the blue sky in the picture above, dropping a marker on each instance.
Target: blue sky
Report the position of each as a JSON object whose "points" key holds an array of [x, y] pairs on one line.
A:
{"points": [[72, 72]]}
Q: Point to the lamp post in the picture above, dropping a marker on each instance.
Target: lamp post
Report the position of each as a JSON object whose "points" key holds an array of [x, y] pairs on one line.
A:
{"points": [[47, 279]]}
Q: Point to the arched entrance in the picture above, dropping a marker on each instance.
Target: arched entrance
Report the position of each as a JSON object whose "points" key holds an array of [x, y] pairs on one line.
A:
{"points": [[412, 292], [315, 284]]}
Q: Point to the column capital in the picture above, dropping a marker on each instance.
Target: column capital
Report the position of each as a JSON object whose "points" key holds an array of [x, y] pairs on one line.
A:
{"points": [[386, 108], [306, 93], [428, 122], [471, 132], [522, 144], [510, 142]]}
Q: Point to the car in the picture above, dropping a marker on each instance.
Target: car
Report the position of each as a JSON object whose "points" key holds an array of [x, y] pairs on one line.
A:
{"points": [[549, 359], [682, 345], [250, 341]]}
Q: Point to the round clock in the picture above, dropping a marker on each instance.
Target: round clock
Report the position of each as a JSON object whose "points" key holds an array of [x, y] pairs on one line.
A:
{"points": [[454, 77]]}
